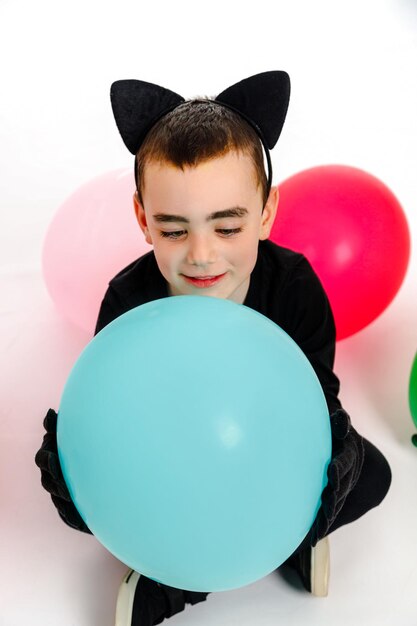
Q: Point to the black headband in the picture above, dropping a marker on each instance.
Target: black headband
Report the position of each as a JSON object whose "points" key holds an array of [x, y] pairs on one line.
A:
{"points": [[262, 100]]}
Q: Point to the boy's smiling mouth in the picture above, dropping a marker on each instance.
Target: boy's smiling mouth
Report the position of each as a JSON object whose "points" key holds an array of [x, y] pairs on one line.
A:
{"points": [[203, 281]]}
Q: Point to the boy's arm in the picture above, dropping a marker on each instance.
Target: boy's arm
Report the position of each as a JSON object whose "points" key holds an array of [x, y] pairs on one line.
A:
{"points": [[313, 328], [343, 473], [51, 476], [47, 458], [307, 317], [111, 307]]}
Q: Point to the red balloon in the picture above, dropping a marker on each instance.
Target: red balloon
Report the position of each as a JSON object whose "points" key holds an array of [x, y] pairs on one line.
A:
{"points": [[353, 231]]}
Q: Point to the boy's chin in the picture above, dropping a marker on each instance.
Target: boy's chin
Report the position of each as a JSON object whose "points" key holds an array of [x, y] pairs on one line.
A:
{"points": [[189, 291], [237, 295]]}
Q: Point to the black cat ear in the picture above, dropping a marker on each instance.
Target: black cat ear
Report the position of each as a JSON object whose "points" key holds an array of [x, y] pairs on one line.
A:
{"points": [[263, 100], [137, 105]]}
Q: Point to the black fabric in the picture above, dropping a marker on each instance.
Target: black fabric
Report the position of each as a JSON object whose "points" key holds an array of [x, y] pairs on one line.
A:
{"points": [[52, 479], [137, 105], [153, 602], [263, 101], [343, 472], [300, 561], [371, 488], [194, 597]]}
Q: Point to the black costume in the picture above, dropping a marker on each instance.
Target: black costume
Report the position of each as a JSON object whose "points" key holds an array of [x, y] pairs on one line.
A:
{"points": [[283, 287]]}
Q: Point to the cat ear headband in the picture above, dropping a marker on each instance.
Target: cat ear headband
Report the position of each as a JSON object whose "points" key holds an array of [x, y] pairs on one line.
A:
{"points": [[262, 100]]}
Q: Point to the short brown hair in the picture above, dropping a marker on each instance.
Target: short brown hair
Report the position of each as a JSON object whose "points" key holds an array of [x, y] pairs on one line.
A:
{"points": [[197, 131]]}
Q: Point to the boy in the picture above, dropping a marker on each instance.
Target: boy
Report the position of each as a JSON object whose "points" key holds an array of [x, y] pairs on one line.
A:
{"points": [[205, 203]]}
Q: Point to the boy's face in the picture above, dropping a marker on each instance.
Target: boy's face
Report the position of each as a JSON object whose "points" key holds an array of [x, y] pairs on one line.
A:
{"points": [[205, 223]]}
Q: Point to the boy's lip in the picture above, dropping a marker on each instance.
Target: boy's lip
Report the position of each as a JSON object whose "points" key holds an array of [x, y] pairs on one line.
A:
{"points": [[203, 281], [203, 276]]}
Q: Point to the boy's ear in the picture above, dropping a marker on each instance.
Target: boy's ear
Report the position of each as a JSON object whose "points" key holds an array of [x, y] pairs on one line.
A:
{"points": [[141, 217], [269, 213]]}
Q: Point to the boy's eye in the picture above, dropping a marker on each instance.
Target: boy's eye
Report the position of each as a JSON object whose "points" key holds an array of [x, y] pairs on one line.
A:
{"points": [[173, 234], [228, 232], [176, 234]]}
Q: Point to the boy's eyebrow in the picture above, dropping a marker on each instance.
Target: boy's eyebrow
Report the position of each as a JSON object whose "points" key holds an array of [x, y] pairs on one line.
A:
{"points": [[235, 211]]}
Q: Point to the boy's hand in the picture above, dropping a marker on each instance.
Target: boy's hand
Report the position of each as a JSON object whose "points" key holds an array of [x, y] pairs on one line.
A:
{"points": [[343, 472], [52, 480]]}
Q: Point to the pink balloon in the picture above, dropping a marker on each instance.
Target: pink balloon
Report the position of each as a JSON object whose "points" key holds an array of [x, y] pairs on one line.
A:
{"points": [[353, 231], [93, 236]]}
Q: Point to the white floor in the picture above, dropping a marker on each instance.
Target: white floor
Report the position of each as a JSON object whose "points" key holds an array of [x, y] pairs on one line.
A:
{"points": [[53, 575]]}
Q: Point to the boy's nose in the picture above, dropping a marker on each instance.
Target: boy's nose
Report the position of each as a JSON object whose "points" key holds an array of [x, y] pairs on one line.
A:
{"points": [[201, 251]]}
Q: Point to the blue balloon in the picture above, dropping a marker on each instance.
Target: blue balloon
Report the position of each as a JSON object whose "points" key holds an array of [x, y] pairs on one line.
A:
{"points": [[194, 437]]}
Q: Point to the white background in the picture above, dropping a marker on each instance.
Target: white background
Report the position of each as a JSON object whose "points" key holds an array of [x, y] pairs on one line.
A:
{"points": [[354, 101]]}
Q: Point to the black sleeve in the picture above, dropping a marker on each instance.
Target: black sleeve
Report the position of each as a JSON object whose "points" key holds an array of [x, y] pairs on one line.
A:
{"points": [[52, 480], [47, 458], [309, 321], [111, 307]]}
